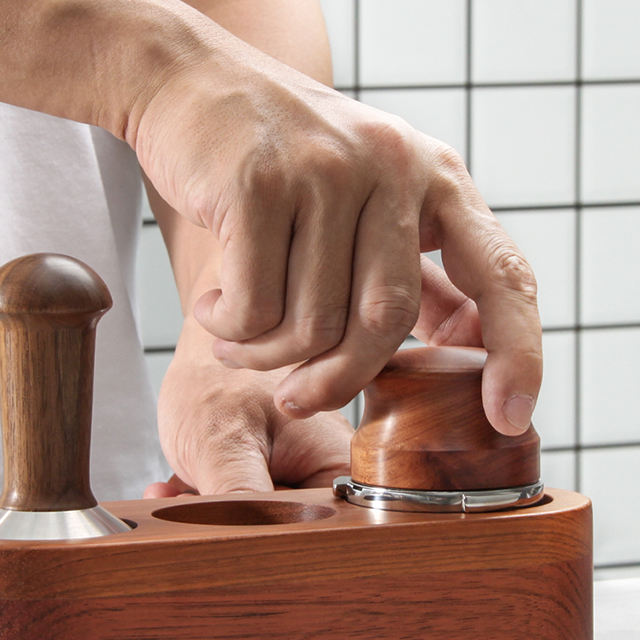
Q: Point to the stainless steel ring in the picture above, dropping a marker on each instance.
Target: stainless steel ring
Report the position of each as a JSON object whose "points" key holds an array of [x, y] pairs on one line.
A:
{"points": [[59, 525], [390, 499]]}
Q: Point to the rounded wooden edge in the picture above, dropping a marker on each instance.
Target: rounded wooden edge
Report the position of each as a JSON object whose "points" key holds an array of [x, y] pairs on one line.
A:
{"points": [[53, 284], [149, 529], [436, 360]]}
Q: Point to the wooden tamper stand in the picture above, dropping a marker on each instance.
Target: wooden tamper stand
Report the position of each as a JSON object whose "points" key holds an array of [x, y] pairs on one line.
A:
{"points": [[292, 564]]}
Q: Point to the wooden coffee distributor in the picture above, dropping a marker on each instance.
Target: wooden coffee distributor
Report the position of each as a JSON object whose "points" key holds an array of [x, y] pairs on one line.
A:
{"points": [[288, 564]]}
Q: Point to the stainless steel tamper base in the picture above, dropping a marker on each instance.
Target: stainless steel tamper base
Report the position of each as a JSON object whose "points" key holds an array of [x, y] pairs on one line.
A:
{"points": [[59, 525], [390, 499]]}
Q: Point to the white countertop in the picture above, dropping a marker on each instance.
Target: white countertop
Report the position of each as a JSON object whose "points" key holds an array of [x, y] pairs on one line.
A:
{"points": [[616, 609]]}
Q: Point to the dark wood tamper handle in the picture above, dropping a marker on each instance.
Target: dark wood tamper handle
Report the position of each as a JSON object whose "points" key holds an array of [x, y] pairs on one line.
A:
{"points": [[49, 307], [424, 428]]}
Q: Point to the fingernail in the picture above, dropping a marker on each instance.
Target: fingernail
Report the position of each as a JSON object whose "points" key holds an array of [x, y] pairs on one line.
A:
{"points": [[230, 364], [294, 410], [518, 410]]}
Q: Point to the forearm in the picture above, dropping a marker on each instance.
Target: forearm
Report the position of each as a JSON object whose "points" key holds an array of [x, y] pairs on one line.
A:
{"points": [[99, 61]]}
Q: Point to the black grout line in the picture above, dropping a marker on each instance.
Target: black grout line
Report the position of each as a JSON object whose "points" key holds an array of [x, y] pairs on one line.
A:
{"points": [[592, 327], [578, 250], [356, 49], [468, 93], [618, 565], [593, 205], [564, 205], [160, 349], [515, 84], [576, 448]]}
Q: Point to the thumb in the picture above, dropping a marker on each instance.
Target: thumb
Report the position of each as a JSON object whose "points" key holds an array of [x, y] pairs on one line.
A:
{"points": [[173, 488], [233, 464]]}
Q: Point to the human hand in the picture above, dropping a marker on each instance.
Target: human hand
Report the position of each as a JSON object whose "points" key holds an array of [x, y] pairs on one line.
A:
{"points": [[322, 206], [221, 433]]}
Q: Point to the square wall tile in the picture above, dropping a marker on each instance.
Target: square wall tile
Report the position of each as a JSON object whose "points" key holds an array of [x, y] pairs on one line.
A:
{"points": [[522, 145], [615, 573], [412, 42], [557, 469], [611, 47], [524, 40], [435, 257], [610, 269], [147, 214], [439, 113], [350, 93], [157, 365], [610, 478], [160, 312], [547, 240], [610, 382], [610, 143], [350, 412], [555, 414], [339, 16]]}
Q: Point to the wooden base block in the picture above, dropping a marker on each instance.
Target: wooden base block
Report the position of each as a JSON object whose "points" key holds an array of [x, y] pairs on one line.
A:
{"points": [[303, 564]]}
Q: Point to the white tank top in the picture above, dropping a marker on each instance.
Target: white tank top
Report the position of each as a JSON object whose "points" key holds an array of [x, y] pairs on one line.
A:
{"points": [[74, 189]]}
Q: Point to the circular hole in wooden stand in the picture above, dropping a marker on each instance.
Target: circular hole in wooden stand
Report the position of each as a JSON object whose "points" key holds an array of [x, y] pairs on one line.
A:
{"points": [[244, 512]]}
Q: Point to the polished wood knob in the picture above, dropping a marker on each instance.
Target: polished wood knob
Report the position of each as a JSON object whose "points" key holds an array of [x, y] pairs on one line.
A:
{"points": [[49, 307], [424, 428]]}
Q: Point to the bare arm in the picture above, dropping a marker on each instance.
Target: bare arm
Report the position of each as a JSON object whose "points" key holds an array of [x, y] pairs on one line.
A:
{"points": [[94, 61], [320, 204]]}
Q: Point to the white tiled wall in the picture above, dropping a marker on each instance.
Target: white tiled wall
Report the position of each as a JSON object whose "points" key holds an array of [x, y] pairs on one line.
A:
{"points": [[610, 141], [522, 145], [160, 313], [559, 160], [418, 43], [507, 37]]}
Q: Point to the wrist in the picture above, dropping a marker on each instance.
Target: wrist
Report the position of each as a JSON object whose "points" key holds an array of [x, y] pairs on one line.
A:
{"points": [[96, 62], [195, 351]]}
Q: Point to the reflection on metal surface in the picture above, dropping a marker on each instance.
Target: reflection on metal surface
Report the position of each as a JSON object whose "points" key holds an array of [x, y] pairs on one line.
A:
{"points": [[439, 501], [59, 525]]}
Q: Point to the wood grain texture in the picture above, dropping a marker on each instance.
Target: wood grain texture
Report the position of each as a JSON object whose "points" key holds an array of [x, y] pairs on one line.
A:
{"points": [[49, 307], [357, 573], [424, 428]]}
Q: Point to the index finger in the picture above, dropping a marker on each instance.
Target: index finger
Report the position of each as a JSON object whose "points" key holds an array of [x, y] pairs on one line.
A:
{"points": [[486, 265]]}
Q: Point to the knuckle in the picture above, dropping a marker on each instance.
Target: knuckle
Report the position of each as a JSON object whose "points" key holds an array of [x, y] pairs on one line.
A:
{"points": [[320, 332], [513, 272], [253, 318], [389, 311], [391, 139], [263, 172], [450, 160], [450, 171], [329, 165]]}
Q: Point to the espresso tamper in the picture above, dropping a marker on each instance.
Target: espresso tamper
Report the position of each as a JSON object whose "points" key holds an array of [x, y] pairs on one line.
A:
{"points": [[424, 443], [49, 307]]}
